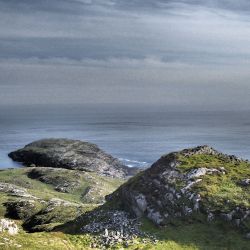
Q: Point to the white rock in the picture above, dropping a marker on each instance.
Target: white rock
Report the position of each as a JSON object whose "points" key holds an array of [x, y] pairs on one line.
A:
{"points": [[9, 226]]}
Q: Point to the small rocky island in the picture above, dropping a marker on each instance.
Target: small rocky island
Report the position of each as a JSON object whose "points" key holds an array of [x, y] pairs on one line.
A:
{"points": [[83, 198], [71, 154]]}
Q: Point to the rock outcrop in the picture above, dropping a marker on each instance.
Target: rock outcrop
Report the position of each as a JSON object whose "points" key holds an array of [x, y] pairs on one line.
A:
{"points": [[14, 190], [183, 184], [71, 154]]}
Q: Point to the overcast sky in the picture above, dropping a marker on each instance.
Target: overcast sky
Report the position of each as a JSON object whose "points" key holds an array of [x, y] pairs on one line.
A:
{"points": [[193, 53]]}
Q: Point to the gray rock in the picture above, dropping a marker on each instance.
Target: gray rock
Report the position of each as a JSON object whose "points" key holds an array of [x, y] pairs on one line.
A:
{"points": [[141, 202], [200, 150], [155, 216], [187, 210], [169, 196], [245, 182], [195, 173], [111, 227], [248, 235]]}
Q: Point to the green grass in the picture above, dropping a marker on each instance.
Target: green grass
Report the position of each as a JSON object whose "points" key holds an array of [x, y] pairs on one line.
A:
{"points": [[44, 241], [101, 185], [179, 236], [196, 235], [220, 191]]}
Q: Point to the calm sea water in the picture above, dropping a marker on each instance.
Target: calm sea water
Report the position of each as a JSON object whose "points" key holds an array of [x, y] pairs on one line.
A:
{"points": [[136, 135]]}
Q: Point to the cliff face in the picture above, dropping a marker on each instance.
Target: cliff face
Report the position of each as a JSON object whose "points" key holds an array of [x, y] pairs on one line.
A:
{"points": [[71, 154], [193, 181]]}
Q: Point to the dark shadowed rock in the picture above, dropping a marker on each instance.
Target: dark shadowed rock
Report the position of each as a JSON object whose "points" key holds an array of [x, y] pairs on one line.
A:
{"points": [[71, 154]]}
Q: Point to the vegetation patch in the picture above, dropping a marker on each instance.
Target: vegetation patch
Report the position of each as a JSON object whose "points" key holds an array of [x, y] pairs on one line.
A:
{"points": [[219, 191]]}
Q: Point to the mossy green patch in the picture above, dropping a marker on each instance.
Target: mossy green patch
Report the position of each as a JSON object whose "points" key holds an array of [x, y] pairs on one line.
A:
{"points": [[220, 191]]}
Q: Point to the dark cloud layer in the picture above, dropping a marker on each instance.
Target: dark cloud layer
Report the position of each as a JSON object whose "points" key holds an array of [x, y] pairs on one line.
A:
{"points": [[78, 6], [145, 51]]}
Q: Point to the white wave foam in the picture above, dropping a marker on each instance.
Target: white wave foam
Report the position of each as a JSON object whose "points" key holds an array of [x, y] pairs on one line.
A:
{"points": [[133, 163]]}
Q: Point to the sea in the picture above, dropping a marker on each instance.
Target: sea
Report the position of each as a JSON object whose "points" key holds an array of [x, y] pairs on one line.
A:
{"points": [[136, 134]]}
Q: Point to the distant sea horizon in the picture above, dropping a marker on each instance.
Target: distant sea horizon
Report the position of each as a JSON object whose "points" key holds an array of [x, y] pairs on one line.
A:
{"points": [[136, 134]]}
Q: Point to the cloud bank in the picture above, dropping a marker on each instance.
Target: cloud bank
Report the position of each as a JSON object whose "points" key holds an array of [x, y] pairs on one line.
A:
{"points": [[179, 52]]}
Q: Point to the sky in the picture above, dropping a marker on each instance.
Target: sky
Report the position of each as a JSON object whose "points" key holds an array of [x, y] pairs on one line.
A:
{"points": [[183, 53]]}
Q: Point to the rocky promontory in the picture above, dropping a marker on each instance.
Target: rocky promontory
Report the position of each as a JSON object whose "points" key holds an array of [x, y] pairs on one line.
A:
{"points": [[71, 154], [198, 181]]}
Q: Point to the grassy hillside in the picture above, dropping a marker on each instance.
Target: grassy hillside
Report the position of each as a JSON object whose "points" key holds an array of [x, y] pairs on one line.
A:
{"points": [[61, 195], [86, 187], [42, 204], [220, 191]]}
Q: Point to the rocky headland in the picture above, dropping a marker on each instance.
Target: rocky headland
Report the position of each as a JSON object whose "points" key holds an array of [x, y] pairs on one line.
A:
{"points": [[71, 154], [198, 181]]}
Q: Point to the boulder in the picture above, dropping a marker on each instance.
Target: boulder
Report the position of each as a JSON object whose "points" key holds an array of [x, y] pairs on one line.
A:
{"points": [[8, 226]]}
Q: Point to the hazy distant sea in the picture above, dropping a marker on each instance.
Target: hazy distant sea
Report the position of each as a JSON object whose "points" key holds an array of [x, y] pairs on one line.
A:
{"points": [[137, 135]]}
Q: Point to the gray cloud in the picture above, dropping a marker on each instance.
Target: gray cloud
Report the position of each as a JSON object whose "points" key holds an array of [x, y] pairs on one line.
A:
{"points": [[172, 52], [78, 6]]}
